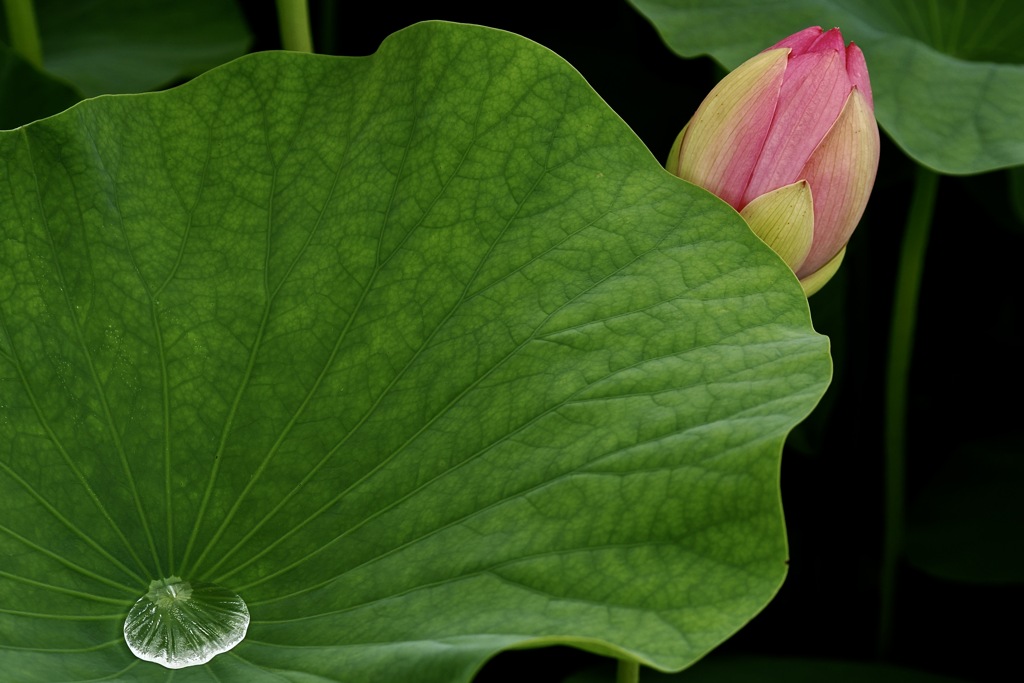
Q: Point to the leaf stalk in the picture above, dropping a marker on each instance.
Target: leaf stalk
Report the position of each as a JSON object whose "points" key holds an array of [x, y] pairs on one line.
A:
{"points": [[293, 17], [901, 342], [628, 671], [24, 31]]}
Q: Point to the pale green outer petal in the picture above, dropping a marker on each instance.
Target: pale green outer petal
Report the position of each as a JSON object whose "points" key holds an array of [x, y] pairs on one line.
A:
{"points": [[784, 220], [724, 137], [672, 163], [816, 280], [841, 172]]}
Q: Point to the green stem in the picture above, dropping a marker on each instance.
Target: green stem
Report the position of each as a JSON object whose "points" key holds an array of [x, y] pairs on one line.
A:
{"points": [[293, 16], [901, 342], [23, 31], [628, 671]]}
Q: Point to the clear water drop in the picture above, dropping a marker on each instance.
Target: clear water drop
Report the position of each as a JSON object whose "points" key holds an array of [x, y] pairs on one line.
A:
{"points": [[178, 624]]}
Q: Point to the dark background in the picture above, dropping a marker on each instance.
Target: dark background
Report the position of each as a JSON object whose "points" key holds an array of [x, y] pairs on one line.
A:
{"points": [[965, 378]]}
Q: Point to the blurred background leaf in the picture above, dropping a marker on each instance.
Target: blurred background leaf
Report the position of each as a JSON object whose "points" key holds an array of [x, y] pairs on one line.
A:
{"points": [[125, 46], [27, 94]]}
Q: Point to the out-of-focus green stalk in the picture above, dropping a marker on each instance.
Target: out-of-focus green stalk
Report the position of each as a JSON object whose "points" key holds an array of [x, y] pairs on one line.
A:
{"points": [[293, 17], [24, 33], [901, 343], [628, 671]]}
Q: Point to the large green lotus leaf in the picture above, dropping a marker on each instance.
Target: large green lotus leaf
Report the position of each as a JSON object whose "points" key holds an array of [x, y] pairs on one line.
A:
{"points": [[422, 354], [122, 46], [947, 76]]}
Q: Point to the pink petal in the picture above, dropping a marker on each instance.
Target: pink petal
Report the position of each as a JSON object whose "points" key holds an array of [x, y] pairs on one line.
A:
{"points": [[841, 173], [857, 70], [800, 41], [830, 40], [723, 139], [814, 90]]}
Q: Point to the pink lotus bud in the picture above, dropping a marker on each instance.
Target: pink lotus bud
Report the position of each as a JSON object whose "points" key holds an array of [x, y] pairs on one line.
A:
{"points": [[789, 139]]}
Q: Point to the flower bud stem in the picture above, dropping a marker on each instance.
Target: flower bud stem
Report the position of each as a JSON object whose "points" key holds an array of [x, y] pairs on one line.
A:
{"points": [[628, 671], [293, 18], [901, 342], [23, 32]]}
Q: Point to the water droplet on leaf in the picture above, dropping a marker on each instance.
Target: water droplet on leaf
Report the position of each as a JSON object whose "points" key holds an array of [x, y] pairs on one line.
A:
{"points": [[178, 623]]}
